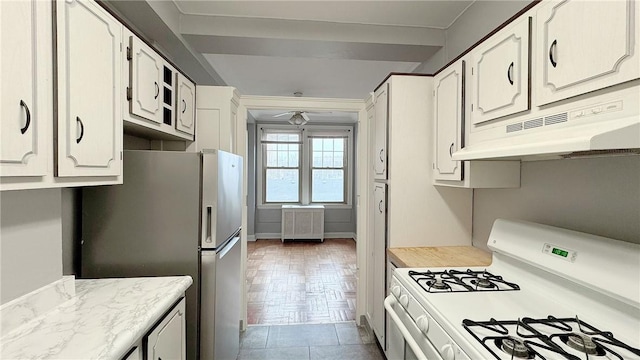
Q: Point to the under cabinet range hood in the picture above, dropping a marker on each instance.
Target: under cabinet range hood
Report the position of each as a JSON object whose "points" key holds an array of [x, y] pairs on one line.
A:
{"points": [[604, 125]]}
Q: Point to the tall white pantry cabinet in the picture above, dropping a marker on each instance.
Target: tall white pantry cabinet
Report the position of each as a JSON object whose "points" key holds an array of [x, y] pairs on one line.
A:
{"points": [[406, 209]]}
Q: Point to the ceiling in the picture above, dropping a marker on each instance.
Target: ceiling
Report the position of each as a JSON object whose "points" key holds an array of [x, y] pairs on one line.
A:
{"points": [[327, 49], [329, 117]]}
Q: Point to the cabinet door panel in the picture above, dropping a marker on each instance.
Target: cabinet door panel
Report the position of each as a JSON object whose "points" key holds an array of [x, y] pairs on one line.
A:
{"points": [[379, 249], [186, 105], [501, 74], [381, 125], [89, 123], [20, 122], [449, 112], [168, 339], [586, 45], [146, 81]]}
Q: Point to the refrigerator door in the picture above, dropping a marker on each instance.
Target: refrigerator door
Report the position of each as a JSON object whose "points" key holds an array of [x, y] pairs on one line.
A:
{"points": [[220, 302], [221, 197]]}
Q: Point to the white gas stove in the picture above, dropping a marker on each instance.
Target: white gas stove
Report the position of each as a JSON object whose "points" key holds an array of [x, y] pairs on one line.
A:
{"points": [[549, 293]]}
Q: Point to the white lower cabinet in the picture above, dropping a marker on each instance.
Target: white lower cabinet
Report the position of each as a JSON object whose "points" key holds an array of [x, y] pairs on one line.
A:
{"points": [[379, 260], [167, 341]]}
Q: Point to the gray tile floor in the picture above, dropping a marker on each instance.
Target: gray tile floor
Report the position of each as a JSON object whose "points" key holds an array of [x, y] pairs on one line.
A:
{"points": [[310, 342]]}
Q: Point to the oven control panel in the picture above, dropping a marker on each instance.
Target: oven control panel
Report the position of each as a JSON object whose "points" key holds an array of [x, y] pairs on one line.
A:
{"points": [[560, 252]]}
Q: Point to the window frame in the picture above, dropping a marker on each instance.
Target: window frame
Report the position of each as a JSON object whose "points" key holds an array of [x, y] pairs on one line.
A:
{"points": [[265, 167], [305, 157]]}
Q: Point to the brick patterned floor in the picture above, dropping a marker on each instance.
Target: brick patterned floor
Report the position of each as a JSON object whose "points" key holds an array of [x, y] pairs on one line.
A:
{"points": [[301, 282]]}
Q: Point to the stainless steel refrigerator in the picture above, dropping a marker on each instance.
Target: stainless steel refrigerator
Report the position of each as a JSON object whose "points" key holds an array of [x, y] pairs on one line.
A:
{"points": [[177, 213]]}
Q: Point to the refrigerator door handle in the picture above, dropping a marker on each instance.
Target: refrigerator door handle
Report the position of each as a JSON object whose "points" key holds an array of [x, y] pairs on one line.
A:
{"points": [[208, 238], [229, 246]]}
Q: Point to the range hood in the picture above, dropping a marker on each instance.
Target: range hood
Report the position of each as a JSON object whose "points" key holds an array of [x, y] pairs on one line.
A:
{"points": [[611, 137]]}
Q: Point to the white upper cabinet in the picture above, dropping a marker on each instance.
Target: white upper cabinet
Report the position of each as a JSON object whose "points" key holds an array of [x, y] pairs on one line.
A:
{"points": [[584, 46], [500, 73], [89, 90], [186, 105], [24, 84], [381, 108], [448, 112], [145, 92]]}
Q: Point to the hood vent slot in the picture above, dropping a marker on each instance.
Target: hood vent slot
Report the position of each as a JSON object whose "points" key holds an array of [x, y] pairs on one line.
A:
{"points": [[555, 119], [530, 124], [514, 127], [596, 153]]}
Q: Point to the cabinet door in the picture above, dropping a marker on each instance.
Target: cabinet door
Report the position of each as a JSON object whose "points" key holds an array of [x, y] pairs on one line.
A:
{"points": [[22, 146], [146, 81], [584, 46], [449, 121], [500, 74], [168, 339], [186, 105], [381, 125], [89, 117], [379, 249]]}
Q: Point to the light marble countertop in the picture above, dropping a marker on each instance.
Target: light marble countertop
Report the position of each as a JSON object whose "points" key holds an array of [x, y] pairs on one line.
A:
{"points": [[103, 319]]}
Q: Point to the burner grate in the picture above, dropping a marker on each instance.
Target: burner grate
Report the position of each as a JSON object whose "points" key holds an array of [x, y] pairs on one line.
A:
{"points": [[460, 281], [555, 338]]}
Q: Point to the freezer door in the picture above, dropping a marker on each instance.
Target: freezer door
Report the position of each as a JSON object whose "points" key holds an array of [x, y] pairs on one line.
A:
{"points": [[221, 196], [220, 302]]}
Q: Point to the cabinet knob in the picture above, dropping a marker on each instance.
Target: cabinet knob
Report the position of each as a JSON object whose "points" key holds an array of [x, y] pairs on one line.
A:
{"points": [[184, 106], [28, 113], [381, 154], [157, 89], [380, 207], [451, 149]]}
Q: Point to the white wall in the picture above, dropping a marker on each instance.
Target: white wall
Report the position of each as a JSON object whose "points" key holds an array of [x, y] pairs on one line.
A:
{"points": [[30, 241], [599, 196]]}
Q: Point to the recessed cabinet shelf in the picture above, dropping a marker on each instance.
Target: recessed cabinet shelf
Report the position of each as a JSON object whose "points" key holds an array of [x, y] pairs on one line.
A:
{"points": [[151, 109]]}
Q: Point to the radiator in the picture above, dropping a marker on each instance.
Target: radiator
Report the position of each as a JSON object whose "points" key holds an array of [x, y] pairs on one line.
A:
{"points": [[302, 222]]}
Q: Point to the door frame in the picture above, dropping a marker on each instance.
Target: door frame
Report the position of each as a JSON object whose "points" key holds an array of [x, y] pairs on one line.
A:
{"points": [[250, 102]]}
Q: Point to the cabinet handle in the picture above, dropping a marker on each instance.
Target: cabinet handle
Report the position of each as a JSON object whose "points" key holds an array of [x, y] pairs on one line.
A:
{"points": [[157, 90], [78, 121], [552, 50], [26, 110], [380, 208], [381, 152], [184, 106], [510, 73], [451, 150]]}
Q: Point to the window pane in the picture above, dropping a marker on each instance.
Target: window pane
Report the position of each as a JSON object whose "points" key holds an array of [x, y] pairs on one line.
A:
{"points": [[338, 159], [338, 145], [317, 159], [272, 158], [327, 185], [293, 159], [282, 185]]}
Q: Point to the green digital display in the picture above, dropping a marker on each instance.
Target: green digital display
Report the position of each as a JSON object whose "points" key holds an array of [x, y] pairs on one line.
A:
{"points": [[560, 252]]}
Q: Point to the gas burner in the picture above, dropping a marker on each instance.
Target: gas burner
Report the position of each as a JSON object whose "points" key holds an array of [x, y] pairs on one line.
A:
{"points": [[438, 284], [450, 281], [582, 343], [515, 347], [548, 338], [483, 283]]}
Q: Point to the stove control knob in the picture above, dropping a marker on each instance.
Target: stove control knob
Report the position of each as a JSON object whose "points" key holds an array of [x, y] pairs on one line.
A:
{"points": [[423, 323], [395, 290], [447, 352], [404, 300]]}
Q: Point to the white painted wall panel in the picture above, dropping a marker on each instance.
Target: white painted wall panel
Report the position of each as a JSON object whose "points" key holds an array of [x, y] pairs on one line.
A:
{"points": [[30, 241], [599, 196]]}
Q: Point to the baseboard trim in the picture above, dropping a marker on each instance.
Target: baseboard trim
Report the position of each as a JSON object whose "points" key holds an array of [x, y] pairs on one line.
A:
{"points": [[331, 235]]}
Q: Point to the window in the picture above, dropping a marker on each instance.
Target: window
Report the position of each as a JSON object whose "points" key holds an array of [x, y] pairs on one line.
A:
{"points": [[328, 169], [281, 158], [309, 164]]}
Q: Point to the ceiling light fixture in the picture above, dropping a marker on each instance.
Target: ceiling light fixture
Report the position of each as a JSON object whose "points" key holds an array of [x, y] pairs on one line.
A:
{"points": [[297, 119]]}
